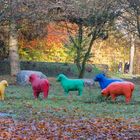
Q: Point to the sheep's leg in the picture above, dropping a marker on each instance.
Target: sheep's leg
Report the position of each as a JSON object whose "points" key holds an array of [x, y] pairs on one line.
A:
{"points": [[80, 92], [36, 94], [127, 98], [2, 95], [107, 97], [66, 92], [113, 97], [45, 93]]}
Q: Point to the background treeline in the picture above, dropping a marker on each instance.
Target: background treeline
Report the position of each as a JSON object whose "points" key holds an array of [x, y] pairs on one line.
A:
{"points": [[76, 31]]}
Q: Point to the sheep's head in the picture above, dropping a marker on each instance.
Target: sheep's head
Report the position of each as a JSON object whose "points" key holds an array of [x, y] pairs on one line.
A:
{"points": [[60, 77], [4, 82], [104, 92], [32, 77], [99, 77]]}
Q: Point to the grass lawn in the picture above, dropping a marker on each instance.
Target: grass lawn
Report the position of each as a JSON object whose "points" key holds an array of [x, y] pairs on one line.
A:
{"points": [[67, 117], [19, 103]]}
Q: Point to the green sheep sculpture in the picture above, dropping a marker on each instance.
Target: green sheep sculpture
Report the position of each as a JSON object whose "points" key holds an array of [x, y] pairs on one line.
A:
{"points": [[71, 84]]}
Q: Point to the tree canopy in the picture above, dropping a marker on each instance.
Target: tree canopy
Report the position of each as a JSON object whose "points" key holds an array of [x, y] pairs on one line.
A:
{"points": [[93, 20]]}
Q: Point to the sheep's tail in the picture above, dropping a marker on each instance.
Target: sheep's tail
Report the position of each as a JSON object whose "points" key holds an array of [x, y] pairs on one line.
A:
{"points": [[132, 86], [84, 83], [48, 85]]}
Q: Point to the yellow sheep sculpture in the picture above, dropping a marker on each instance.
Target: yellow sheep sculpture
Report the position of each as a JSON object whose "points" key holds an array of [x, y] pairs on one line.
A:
{"points": [[3, 84]]}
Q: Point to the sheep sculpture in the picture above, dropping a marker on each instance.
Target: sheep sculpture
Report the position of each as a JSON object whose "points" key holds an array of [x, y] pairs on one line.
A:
{"points": [[3, 84], [71, 84], [104, 81], [89, 82], [119, 88], [39, 85]]}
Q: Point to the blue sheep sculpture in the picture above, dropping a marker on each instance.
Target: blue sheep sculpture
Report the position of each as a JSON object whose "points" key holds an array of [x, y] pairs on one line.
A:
{"points": [[104, 81], [71, 84]]}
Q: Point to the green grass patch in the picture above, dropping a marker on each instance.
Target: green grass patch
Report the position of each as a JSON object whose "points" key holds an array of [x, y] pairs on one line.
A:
{"points": [[19, 102]]}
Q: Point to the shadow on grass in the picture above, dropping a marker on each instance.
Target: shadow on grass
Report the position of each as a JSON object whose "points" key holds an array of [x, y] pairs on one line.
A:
{"points": [[19, 98], [100, 99], [135, 103]]}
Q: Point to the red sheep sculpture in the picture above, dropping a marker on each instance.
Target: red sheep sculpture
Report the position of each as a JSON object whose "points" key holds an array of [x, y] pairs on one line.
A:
{"points": [[39, 85], [119, 88]]}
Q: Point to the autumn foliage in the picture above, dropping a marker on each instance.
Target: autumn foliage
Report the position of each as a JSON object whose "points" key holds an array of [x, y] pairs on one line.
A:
{"points": [[50, 47]]}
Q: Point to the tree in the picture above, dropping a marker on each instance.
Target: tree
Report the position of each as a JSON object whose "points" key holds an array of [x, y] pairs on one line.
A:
{"points": [[13, 13], [3, 43], [132, 53], [130, 19], [129, 22], [93, 19], [13, 42]]}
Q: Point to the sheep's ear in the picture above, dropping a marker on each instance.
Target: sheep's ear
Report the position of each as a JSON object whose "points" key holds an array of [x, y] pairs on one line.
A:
{"points": [[6, 84], [103, 74], [101, 92], [27, 79], [58, 78], [94, 79]]}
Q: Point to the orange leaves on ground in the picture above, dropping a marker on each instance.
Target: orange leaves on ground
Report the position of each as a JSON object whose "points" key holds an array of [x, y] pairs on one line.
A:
{"points": [[68, 128]]}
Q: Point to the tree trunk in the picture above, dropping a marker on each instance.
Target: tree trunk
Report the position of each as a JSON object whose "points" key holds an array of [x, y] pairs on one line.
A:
{"points": [[138, 23], [132, 53], [13, 50], [78, 59], [82, 72], [79, 48], [86, 57]]}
